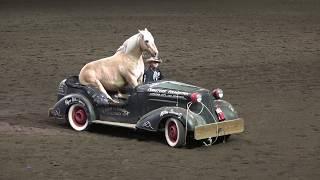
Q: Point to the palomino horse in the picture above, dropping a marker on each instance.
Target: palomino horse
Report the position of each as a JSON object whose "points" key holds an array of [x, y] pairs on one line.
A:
{"points": [[125, 67]]}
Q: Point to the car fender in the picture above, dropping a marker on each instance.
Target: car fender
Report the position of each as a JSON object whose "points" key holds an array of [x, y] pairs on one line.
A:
{"points": [[60, 109], [227, 108], [154, 120]]}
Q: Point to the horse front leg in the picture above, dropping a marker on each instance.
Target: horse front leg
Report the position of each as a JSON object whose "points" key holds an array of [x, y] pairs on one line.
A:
{"points": [[101, 88], [132, 81], [140, 79]]}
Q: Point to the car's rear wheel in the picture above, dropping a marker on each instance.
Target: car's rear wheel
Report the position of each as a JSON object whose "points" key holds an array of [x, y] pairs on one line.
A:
{"points": [[78, 117], [174, 133]]}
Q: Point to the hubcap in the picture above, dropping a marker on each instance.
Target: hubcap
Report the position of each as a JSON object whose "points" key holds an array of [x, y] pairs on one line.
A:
{"points": [[172, 131], [79, 116]]}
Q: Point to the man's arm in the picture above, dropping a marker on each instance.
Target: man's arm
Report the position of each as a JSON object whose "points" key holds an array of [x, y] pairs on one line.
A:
{"points": [[161, 76]]}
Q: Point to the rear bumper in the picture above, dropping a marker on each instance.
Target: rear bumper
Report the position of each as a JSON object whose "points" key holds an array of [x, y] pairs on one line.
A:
{"points": [[219, 129]]}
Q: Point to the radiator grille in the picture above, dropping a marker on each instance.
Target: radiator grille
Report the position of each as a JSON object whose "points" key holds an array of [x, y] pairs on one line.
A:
{"points": [[207, 101]]}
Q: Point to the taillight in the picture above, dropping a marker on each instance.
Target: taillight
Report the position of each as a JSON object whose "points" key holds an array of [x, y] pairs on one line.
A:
{"points": [[195, 97], [220, 114], [217, 93]]}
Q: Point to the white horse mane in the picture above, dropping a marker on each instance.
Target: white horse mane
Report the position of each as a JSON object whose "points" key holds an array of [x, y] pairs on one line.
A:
{"points": [[128, 44], [122, 47]]}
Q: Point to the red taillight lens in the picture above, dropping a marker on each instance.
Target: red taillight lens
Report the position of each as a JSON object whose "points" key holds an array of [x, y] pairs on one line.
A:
{"points": [[195, 97], [220, 114], [217, 93]]}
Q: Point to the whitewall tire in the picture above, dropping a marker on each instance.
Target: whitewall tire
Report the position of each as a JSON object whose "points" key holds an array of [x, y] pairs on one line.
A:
{"points": [[78, 117], [174, 133]]}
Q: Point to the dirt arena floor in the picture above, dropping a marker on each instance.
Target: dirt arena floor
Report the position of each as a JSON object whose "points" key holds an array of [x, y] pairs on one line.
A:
{"points": [[264, 54]]}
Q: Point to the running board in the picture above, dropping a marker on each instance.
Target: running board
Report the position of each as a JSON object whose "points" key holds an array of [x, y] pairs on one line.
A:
{"points": [[126, 125]]}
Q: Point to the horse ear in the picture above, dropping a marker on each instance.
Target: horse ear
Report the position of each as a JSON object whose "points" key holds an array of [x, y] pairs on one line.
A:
{"points": [[145, 29]]}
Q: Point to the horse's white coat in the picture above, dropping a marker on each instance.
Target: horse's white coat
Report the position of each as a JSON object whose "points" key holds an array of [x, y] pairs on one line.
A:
{"points": [[125, 67]]}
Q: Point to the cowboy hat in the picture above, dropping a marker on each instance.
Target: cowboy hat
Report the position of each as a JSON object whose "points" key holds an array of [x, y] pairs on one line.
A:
{"points": [[153, 59]]}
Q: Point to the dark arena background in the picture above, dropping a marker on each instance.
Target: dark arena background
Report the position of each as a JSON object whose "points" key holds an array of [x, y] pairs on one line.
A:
{"points": [[264, 54]]}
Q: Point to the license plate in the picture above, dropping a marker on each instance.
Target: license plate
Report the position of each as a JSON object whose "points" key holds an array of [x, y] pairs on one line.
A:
{"points": [[220, 114]]}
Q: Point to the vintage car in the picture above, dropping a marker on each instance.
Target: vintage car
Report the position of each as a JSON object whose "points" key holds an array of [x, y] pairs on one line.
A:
{"points": [[180, 111]]}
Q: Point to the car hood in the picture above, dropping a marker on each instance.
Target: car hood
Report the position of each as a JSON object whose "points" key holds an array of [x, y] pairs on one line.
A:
{"points": [[169, 87], [184, 91]]}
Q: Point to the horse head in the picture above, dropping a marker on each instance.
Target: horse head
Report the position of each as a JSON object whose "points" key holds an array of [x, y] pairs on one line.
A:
{"points": [[147, 42]]}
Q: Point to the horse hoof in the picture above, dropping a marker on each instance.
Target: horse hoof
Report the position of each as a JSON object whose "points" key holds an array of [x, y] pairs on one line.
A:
{"points": [[122, 96], [114, 101]]}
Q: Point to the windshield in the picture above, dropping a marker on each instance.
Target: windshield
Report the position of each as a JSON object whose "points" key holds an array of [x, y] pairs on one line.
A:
{"points": [[175, 85]]}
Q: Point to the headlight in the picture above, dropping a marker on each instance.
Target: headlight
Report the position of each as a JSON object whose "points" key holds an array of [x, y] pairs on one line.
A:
{"points": [[196, 97], [217, 93]]}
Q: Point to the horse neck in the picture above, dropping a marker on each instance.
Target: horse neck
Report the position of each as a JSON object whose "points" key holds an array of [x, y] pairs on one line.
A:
{"points": [[132, 47]]}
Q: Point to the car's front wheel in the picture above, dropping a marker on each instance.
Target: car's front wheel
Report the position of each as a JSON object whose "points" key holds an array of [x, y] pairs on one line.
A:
{"points": [[174, 133], [78, 117]]}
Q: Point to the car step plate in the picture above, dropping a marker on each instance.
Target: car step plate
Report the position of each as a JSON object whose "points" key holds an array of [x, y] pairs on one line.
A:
{"points": [[126, 125]]}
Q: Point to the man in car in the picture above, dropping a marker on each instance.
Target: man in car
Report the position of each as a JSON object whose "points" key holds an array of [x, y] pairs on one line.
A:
{"points": [[152, 72]]}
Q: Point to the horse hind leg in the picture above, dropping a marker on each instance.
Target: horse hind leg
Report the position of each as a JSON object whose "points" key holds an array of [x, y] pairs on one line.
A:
{"points": [[101, 88]]}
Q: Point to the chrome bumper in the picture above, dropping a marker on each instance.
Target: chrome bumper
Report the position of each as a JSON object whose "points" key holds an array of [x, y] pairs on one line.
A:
{"points": [[219, 129]]}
